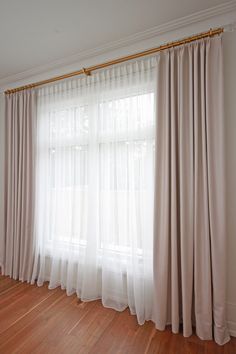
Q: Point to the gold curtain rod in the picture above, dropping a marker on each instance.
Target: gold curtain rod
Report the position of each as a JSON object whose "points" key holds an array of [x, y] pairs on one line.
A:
{"points": [[87, 71]]}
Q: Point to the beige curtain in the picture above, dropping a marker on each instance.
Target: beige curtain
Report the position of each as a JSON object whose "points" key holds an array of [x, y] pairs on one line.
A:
{"points": [[20, 133], [190, 239]]}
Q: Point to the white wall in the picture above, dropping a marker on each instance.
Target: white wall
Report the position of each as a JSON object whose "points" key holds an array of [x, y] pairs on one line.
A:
{"points": [[1, 171], [230, 123]]}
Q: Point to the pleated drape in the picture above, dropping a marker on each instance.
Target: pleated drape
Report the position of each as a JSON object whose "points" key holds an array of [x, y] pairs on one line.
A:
{"points": [[189, 231], [20, 130]]}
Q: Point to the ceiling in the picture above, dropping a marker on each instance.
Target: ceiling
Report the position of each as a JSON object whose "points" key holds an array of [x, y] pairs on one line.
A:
{"points": [[37, 32]]}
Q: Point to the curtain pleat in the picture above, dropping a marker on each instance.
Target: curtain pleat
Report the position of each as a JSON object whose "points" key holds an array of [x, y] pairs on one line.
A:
{"points": [[189, 228], [20, 132]]}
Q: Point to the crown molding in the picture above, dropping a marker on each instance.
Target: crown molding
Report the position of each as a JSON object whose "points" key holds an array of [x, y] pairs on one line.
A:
{"points": [[179, 23]]}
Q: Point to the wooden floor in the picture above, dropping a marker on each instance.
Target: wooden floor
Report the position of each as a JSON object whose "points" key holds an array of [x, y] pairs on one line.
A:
{"points": [[38, 320]]}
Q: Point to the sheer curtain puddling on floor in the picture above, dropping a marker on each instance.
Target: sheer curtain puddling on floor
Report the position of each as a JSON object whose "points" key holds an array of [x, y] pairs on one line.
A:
{"points": [[189, 235], [20, 133], [94, 187]]}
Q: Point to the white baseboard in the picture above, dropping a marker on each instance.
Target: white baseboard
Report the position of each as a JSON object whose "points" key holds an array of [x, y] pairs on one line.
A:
{"points": [[231, 318]]}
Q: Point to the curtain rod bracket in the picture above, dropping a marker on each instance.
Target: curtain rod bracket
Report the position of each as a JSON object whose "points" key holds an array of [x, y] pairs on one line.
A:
{"points": [[86, 72]]}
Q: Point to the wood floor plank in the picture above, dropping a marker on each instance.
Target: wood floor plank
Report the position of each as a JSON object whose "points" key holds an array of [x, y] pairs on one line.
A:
{"points": [[41, 321], [119, 336], [6, 283], [36, 323], [140, 342], [17, 308], [20, 328], [85, 331], [160, 343]]}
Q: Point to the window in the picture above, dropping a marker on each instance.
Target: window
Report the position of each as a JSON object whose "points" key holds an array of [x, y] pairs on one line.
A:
{"points": [[96, 165], [120, 145], [95, 186]]}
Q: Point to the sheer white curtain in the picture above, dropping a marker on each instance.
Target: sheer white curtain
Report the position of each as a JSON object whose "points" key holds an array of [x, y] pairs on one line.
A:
{"points": [[95, 186]]}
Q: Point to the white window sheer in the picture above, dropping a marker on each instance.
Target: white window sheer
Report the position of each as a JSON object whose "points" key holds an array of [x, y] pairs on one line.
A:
{"points": [[94, 186]]}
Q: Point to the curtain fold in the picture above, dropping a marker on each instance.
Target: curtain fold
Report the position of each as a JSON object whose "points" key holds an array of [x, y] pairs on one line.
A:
{"points": [[189, 231], [20, 132]]}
